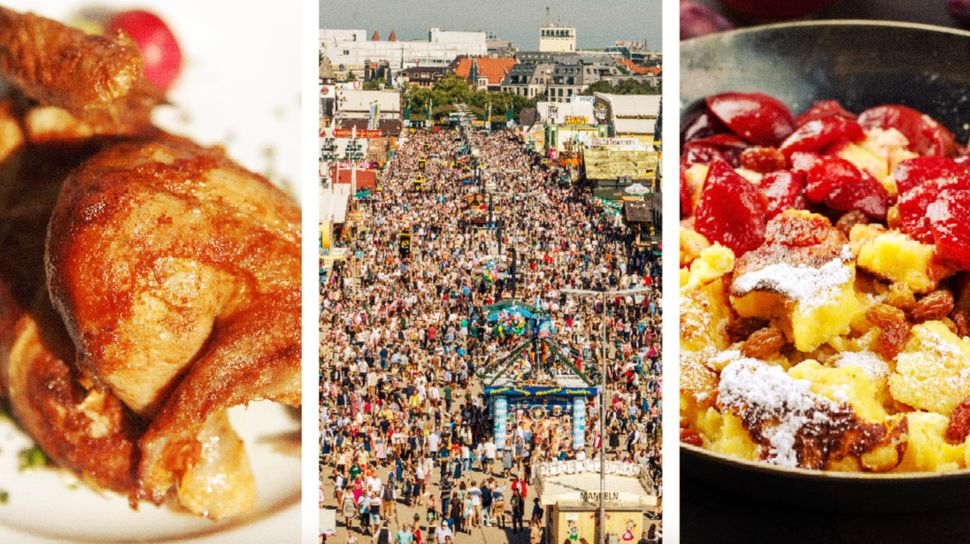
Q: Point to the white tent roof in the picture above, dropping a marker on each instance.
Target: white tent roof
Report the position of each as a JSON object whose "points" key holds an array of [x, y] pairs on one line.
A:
{"points": [[578, 483], [634, 126], [624, 105], [566, 109], [584, 488], [351, 100]]}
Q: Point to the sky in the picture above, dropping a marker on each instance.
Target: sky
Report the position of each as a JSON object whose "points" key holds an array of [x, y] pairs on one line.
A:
{"points": [[598, 24]]}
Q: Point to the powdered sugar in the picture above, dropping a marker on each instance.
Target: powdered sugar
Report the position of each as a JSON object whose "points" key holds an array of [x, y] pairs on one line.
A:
{"points": [[779, 405], [810, 286], [721, 359], [869, 362]]}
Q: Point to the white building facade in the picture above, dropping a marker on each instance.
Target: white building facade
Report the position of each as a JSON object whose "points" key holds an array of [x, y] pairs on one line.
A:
{"points": [[350, 50], [557, 39]]}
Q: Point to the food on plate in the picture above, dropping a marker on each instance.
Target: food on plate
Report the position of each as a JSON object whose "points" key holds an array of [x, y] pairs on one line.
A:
{"points": [[147, 283], [825, 286]]}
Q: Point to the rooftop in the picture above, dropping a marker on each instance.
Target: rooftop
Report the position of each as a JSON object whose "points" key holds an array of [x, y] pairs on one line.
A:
{"points": [[494, 69]]}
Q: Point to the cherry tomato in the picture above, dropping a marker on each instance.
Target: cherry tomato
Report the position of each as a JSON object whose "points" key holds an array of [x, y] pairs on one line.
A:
{"points": [[159, 48]]}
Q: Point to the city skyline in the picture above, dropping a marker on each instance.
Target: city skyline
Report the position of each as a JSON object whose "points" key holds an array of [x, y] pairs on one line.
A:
{"points": [[411, 19]]}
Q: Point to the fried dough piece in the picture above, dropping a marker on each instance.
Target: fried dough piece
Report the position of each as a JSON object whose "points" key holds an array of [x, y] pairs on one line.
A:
{"points": [[177, 274], [96, 79]]}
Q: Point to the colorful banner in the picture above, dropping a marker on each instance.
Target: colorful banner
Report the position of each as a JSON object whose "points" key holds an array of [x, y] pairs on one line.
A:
{"points": [[579, 423], [540, 391], [348, 133], [375, 112], [501, 417]]}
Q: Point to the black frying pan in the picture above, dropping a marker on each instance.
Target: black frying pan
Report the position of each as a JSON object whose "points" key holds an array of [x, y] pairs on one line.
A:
{"points": [[861, 64]]}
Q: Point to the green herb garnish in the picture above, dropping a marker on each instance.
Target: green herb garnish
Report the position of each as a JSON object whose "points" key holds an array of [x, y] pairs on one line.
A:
{"points": [[31, 458]]}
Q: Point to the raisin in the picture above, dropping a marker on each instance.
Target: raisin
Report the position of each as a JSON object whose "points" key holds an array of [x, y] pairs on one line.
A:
{"points": [[933, 306], [893, 330], [762, 159], [691, 436], [959, 427], [901, 296], [883, 315], [849, 220], [743, 327], [763, 343], [962, 322], [891, 340]]}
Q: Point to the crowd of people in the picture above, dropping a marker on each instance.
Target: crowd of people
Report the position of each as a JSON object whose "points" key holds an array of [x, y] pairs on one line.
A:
{"points": [[404, 422]]}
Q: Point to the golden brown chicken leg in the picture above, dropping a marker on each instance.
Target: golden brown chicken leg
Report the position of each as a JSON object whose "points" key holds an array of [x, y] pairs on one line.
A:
{"points": [[177, 275]]}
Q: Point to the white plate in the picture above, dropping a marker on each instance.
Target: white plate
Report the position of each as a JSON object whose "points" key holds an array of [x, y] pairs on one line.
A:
{"points": [[240, 88], [48, 505]]}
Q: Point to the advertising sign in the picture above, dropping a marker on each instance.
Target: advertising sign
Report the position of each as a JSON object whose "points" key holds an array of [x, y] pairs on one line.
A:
{"points": [[623, 144], [361, 133]]}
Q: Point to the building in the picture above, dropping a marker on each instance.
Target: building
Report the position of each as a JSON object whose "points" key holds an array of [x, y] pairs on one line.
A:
{"points": [[630, 115], [354, 108], [421, 76], [350, 51], [573, 78], [606, 166], [378, 71], [498, 47], [327, 75], [574, 112], [558, 76], [483, 72], [569, 492], [356, 104], [528, 79], [556, 38]]}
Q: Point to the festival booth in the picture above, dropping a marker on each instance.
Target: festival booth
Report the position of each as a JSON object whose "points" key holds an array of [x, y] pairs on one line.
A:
{"points": [[569, 492], [537, 375]]}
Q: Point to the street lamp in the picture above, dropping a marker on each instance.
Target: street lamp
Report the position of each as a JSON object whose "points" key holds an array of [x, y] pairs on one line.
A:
{"points": [[603, 294]]}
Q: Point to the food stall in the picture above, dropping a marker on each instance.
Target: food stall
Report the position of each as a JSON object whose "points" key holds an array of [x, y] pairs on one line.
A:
{"points": [[569, 492]]}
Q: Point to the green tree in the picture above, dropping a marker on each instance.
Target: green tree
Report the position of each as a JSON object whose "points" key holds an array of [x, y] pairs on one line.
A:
{"points": [[624, 86]]}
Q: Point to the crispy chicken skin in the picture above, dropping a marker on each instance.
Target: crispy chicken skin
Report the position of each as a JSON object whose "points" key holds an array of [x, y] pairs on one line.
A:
{"points": [[79, 425], [96, 79], [147, 284], [177, 275]]}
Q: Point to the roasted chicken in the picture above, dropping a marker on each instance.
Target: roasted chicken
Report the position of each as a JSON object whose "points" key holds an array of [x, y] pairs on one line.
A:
{"points": [[147, 284]]}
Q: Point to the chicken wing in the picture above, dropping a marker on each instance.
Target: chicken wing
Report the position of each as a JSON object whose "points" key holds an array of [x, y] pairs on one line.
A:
{"points": [[99, 80]]}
